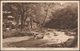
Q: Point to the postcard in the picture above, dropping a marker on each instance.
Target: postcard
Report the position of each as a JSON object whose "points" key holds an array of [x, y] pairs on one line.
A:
{"points": [[40, 25]]}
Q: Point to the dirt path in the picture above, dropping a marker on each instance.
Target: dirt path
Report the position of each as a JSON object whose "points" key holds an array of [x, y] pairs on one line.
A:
{"points": [[16, 39]]}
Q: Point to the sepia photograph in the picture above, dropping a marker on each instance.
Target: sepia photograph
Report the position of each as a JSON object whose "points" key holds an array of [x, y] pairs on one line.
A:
{"points": [[40, 24]]}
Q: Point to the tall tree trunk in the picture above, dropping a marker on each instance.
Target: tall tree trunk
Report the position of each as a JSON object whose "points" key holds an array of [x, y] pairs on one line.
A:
{"points": [[22, 19], [44, 19], [31, 21]]}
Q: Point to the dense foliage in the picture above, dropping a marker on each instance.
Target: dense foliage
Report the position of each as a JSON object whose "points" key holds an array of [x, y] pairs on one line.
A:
{"points": [[65, 18]]}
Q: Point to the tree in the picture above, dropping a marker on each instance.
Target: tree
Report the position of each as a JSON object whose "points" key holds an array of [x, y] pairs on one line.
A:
{"points": [[33, 11]]}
